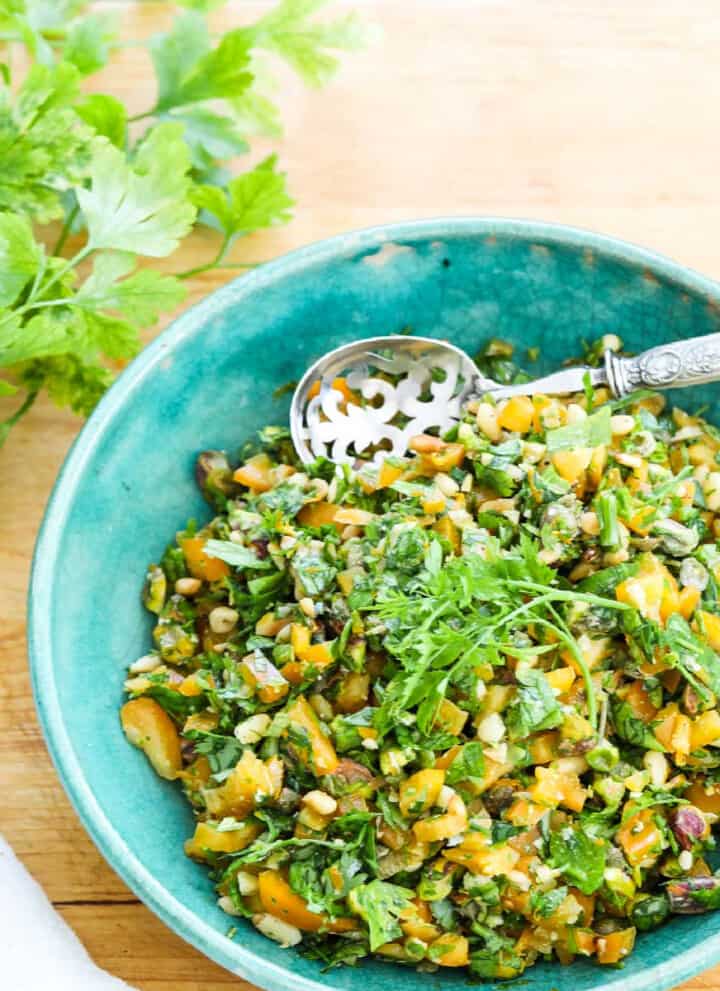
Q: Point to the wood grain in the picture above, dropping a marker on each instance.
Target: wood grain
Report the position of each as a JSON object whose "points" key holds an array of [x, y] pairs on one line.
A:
{"points": [[601, 115]]}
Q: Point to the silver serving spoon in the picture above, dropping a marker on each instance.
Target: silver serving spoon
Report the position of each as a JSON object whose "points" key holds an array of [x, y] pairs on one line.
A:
{"points": [[432, 380]]}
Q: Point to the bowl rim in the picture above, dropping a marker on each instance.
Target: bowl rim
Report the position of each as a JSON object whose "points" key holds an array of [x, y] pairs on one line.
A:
{"points": [[229, 954]]}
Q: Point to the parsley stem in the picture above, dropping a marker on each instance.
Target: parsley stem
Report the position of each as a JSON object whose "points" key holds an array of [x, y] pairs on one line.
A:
{"points": [[565, 637], [31, 302], [142, 116], [566, 595], [71, 263], [7, 425], [242, 265], [39, 276], [216, 262], [45, 303], [66, 229], [572, 645], [211, 265]]}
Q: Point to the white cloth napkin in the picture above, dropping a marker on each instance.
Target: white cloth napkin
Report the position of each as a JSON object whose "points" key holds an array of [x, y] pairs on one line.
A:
{"points": [[40, 951]]}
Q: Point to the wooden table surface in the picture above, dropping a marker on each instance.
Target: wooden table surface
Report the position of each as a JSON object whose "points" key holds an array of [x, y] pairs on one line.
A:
{"points": [[604, 115]]}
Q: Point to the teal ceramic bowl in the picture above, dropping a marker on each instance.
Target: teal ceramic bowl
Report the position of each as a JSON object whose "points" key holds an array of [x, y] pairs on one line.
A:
{"points": [[208, 381]]}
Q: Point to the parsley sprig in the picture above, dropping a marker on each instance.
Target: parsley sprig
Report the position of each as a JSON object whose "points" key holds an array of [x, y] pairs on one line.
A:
{"points": [[126, 188], [470, 612]]}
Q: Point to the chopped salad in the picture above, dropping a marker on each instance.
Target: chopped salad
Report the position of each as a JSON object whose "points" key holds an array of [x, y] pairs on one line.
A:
{"points": [[458, 710]]}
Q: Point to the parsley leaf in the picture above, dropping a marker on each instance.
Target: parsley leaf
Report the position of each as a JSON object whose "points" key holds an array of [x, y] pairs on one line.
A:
{"points": [[680, 647], [222, 752], [210, 136], [691, 654], [252, 201], [44, 146], [68, 380], [48, 333], [546, 903], [590, 432], [146, 203], [236, 555], [189, 71], [380, 903], [20, 257], [630, 728], [307, 45], [175, 704], [469, 764], [534, 707], [286, 499], [88, 42], [496, 476], [579, 856], [314, 573], [204, 5], [255, 111], [141, 297], [106, 116]]}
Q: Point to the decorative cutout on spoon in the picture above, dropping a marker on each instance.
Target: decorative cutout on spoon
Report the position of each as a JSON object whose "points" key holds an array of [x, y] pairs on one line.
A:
{"points": [[366, 400], [369, 404]]}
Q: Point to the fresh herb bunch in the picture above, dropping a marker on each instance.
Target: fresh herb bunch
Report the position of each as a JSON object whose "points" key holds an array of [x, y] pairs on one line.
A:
{"points": [[459, 709], [130, 187]]}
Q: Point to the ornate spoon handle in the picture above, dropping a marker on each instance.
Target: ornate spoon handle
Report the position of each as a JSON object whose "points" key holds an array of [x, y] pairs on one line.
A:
{"points": [[678, 364]]}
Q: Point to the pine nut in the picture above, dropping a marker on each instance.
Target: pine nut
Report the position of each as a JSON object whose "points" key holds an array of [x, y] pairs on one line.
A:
{"points": [[187, 586], [320, 489], [611, 342], [658, 767], [447, 485], [283, 635], [222, 619], [590, 524], [622, 424], [498, 505], [685, 860], [252, 730], [144, 664], [226, 904], [628, 460], [533, 452], [487, 420], [520, 880], [320, 802], [575, 413], [571, 765], [308, 606], [491, 729], [277, 930], [247, 884]]}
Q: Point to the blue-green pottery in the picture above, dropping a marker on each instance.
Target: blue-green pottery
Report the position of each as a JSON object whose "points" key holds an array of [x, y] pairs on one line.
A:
{"points": [[208, 381]]}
